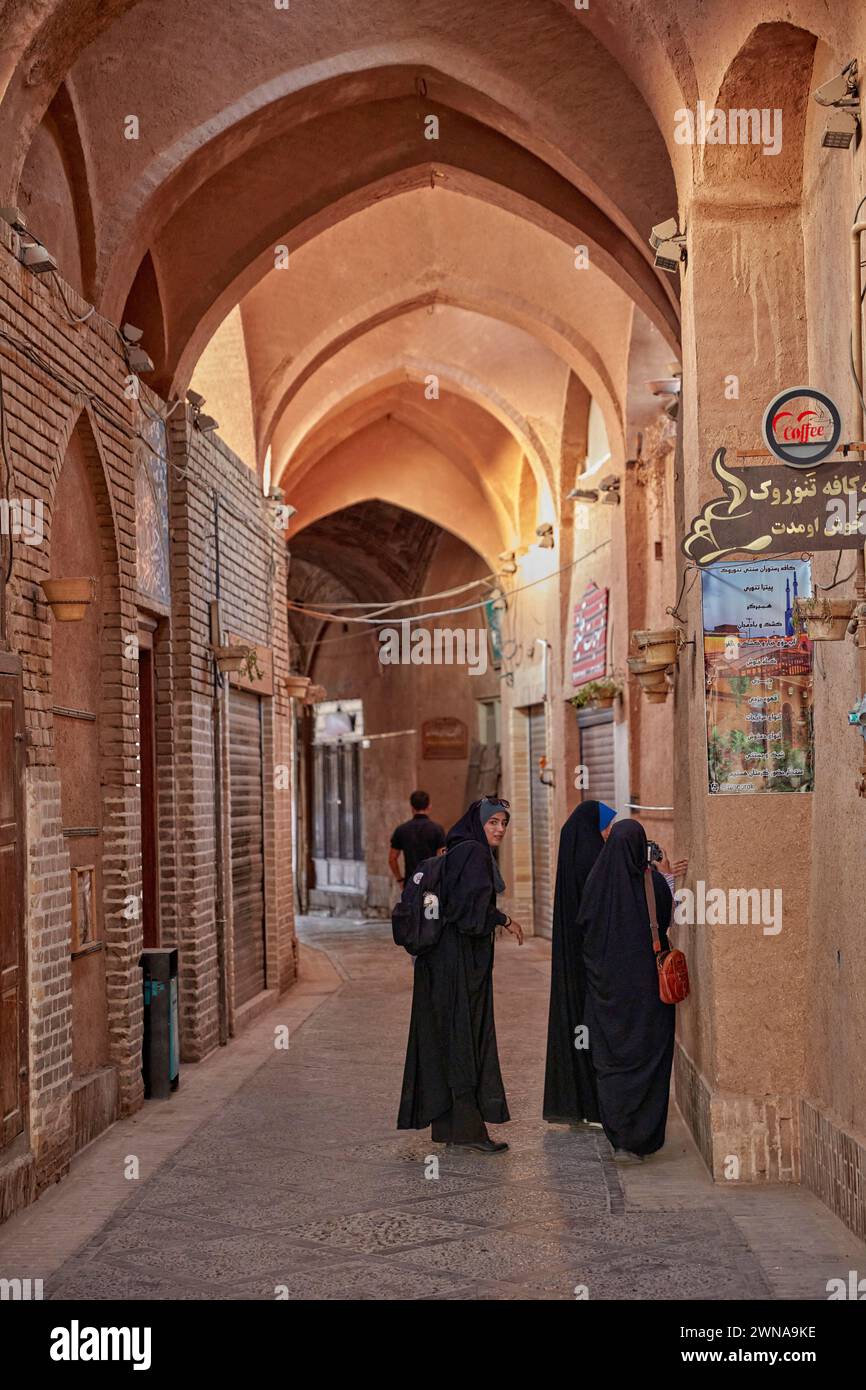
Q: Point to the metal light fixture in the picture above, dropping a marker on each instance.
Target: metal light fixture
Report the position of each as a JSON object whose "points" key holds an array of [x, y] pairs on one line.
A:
{"points": [[669, 244], [842, 93], [583, 494], [609, 489], [206, 423], [544, 532], [507, 562]]}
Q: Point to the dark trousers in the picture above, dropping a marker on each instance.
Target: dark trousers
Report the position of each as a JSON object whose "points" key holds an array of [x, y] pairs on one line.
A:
{"points": [[462, 1124]]}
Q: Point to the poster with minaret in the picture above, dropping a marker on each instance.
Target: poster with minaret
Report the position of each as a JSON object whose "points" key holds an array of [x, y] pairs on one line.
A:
{"points": [[758, 671]]}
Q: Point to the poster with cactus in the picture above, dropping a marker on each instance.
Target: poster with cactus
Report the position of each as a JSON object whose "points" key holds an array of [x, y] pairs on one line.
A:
{"points": [[758, 671]]}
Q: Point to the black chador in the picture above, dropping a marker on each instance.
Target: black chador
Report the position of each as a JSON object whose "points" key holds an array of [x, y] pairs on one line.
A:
{"points": [[631, 1032], [452, 1078], [569, 1080]]}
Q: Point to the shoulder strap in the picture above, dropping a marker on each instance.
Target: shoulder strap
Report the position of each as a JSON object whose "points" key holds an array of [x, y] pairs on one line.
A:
{"points": [[651, 904]]}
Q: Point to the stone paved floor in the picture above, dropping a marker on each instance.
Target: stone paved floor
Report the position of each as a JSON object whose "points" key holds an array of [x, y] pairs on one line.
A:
{"points": [[299, 1182]]}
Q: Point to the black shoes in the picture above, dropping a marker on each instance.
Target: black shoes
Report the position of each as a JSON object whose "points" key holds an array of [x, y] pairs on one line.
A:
{"points": [[483, 1146]]}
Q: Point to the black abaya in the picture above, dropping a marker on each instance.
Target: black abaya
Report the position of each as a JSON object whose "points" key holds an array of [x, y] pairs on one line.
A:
{"points": [[631, 1032], [452, 1078], [569, 1080]]}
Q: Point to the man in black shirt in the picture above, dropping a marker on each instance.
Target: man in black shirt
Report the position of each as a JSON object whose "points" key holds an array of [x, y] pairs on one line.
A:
{"points": [[417, 839]]}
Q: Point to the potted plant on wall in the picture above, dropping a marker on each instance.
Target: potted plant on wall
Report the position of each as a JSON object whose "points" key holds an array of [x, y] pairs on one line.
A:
{"points": [[232, 658], [823, 619], [598, 694], [658, 647], [652, 678], [68, 599]]}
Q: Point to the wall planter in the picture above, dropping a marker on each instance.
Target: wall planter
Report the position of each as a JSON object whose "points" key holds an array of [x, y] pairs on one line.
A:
{"points": [[297, 686], [652, 678], [660, 647], [598, 694], [823, 619], [234, 658], [68, 599]]}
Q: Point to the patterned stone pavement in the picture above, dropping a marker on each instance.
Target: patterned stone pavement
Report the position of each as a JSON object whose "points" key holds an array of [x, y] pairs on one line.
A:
{"points": [[300, 1186]]}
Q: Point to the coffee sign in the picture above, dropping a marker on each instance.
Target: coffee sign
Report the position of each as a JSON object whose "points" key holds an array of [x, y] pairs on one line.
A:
{"points": [[768, 511], [801, 427]]}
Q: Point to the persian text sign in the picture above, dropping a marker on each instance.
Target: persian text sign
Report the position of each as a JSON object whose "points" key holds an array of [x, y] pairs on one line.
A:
{"points": [[765, 512], [589, 651]]}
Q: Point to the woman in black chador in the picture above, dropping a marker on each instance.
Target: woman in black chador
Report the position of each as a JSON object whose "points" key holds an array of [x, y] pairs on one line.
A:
{"points": [[569, 1080], [631, 1032], [452, 1079]]}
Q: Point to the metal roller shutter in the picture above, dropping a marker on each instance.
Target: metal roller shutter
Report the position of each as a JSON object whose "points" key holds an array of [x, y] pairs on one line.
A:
{"points": [[597, 756], [539, 805], [248, 848]]}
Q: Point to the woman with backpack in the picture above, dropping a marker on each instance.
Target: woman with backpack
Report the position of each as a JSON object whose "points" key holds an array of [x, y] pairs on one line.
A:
{"points": [[452, 1078]]}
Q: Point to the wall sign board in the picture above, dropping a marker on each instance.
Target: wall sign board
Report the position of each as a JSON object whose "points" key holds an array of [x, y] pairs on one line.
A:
{"points": [[758, 672], [589, 646], [769, 510], [801, 427], [444, 738]]}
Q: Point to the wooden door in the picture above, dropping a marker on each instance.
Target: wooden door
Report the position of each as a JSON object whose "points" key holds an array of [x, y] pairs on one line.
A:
{"points": [[13, 973], [248, 844]]}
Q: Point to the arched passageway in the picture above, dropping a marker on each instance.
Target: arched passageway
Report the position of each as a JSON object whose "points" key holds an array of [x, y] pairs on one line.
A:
{"points": [[361, 402]]}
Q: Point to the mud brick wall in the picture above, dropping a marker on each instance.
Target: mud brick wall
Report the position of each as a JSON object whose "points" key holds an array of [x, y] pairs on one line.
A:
{"points": [[59, 377]]}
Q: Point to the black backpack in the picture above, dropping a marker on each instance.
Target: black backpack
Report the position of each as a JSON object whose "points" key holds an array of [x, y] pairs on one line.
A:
{"points": [[416, 919]]}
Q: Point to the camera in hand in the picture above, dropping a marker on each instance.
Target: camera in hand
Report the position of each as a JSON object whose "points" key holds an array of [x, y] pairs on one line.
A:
{"points": [[654, 852]]}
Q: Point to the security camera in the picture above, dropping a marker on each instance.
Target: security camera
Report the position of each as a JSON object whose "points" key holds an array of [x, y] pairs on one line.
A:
{"points": [[36, 257], [842, 90], [139, 361], [195, 400]]}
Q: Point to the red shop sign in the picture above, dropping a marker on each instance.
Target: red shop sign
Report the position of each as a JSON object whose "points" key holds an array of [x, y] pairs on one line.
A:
{"points": [[589, 649]]}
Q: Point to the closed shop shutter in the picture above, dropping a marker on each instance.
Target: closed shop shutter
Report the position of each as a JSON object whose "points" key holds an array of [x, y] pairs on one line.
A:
{"points": [[596, 754], [248, 848], [13, 1015], [539, 804]]}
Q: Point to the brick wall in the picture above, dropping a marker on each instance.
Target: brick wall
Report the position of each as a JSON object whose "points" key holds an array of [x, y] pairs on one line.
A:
{"points": [[225, 545], [58, 378]]}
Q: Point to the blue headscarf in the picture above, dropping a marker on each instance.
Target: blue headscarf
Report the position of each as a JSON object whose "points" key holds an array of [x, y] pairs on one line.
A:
{"points": [[605, 815]]}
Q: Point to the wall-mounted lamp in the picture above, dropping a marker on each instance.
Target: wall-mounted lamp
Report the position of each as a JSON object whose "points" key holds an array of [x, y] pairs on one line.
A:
{"points": [[507, 562], [842, 93], [583, 494], [609, 489], [544, 532], [137, 359], [669, 244]]}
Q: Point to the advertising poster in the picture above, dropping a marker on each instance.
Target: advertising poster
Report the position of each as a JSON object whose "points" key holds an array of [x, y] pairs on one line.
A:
{"points": [[758, 677], [589, 645]]}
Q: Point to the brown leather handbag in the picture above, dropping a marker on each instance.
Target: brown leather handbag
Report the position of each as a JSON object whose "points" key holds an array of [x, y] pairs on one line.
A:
{"points": [[672, 966]]}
